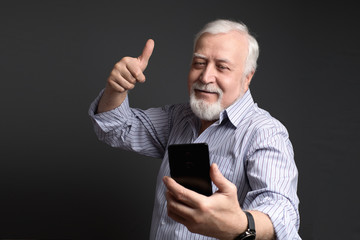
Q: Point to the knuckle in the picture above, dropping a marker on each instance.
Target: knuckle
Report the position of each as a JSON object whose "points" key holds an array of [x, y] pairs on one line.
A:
{"points": [[181, 195], [204, 207], [111, 81], [113, 74], [125, 59], [118, 65]]}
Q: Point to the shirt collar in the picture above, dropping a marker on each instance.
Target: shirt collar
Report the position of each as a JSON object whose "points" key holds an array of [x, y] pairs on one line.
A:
{"points": [[238, 110], [235, 112]]}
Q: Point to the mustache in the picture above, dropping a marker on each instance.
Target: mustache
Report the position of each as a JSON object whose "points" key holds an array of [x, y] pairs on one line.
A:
{"points": [[206, 87]]}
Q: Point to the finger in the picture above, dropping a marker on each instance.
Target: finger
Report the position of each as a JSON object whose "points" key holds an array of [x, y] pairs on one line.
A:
{"points": [[135, 74], [129, 69], [176, 217], [224, 185], [125, 83], [124, 78], [177, 210], [182, 194], [122, 71], [118, 83], [115, 86], [146, 54]]}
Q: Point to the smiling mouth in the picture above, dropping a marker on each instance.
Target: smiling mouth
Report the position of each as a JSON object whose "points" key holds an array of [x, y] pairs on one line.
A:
{"points": [[203, 91]]}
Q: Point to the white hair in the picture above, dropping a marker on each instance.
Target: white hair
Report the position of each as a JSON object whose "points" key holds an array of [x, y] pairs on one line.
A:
{"points": [[225, 26], [201, 108]]}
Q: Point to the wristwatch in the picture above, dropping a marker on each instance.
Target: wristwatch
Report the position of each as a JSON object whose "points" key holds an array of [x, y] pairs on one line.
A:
{"points": [[250, 233]]}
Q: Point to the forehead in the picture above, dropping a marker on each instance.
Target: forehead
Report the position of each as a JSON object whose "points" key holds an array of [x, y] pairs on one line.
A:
{"points": [[223, 45]]}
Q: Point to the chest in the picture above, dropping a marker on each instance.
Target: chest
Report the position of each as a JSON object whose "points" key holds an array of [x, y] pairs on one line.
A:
{"points": [[228, 147]]}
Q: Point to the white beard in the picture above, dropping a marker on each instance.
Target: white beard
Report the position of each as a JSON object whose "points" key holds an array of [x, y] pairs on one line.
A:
{"points": [[202, 109]]}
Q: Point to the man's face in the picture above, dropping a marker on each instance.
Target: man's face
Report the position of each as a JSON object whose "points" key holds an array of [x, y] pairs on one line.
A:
{"points": [[218, 63]]}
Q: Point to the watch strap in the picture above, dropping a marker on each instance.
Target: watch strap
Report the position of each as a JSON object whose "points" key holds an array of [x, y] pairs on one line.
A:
{"points": [[250, 232], [251, 222]]}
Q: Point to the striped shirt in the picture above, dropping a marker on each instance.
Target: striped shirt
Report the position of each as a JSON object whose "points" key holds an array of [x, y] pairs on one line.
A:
{"points": [[251, 148]]}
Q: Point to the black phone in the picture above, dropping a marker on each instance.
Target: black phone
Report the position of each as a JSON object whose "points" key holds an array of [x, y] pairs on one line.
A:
{"points": [[190, 166]]}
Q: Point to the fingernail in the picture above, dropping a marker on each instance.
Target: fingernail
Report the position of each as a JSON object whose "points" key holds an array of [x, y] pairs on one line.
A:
{"points": [[165, 179]]}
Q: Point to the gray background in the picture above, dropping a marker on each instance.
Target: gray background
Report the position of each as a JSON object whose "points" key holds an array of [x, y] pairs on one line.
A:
{"points": [[57, 181]]}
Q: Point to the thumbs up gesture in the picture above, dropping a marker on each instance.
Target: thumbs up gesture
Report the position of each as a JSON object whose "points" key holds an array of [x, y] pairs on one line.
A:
{"points": [[128, 71], [123, 77]]}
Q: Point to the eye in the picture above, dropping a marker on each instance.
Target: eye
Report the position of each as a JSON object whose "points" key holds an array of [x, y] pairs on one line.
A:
{"points": [[199, 64], [222, 67]]}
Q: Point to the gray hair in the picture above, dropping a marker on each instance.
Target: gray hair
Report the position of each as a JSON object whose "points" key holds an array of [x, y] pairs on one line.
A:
{"points": [[225, 26]]}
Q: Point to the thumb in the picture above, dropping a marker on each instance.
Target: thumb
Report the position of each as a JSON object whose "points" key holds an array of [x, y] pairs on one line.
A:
{"points": [[219, 180], [146, 54]]}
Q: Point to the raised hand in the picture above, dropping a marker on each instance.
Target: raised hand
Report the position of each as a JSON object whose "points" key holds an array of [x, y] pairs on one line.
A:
{"points": [[128, 71], [123, 77]]}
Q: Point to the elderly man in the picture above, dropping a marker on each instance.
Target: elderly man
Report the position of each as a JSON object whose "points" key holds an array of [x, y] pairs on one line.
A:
{"points": [[253, 172]]}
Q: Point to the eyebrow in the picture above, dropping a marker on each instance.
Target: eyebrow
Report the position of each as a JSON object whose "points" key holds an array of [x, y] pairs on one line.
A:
{"points": [[198, 55]]}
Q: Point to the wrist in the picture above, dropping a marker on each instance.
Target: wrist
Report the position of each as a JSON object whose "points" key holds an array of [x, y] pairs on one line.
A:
{"points": [[239, 226], [110, 99], [249, 233]]}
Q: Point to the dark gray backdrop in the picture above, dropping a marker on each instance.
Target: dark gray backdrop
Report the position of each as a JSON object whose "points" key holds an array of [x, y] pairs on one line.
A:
{"points": [[57, 181]]}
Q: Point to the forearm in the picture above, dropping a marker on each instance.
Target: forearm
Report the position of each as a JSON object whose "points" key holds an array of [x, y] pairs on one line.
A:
{"points": [[263, 226], [110, 99], [125, 127]]}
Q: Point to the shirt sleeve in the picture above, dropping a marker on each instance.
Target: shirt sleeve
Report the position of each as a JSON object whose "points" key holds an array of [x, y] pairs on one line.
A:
{"points": [[273, 177], [141, 131]]}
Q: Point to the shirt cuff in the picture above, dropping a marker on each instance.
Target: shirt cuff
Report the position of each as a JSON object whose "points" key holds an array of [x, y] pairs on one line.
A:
{"points": [[285, 218], [110, 120]]}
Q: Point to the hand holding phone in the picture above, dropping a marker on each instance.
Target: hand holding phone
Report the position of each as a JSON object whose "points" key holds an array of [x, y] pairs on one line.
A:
{"points": [[190, 166]]}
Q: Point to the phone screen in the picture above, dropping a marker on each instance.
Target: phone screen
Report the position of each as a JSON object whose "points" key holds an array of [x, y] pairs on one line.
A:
{"points": [[190, 166]]}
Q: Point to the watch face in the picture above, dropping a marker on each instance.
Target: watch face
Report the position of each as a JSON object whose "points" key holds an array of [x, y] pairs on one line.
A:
{"points": [[249, 237]]}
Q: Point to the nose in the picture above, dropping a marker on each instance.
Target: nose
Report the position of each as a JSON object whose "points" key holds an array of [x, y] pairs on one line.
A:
{"points": [[208, 75]]}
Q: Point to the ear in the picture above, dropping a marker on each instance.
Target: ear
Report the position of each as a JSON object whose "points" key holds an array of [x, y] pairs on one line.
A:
{"points": [[248, 78]]}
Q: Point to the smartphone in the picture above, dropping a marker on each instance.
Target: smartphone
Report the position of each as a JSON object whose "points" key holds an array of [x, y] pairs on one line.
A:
{"points": [[190, 166]]}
